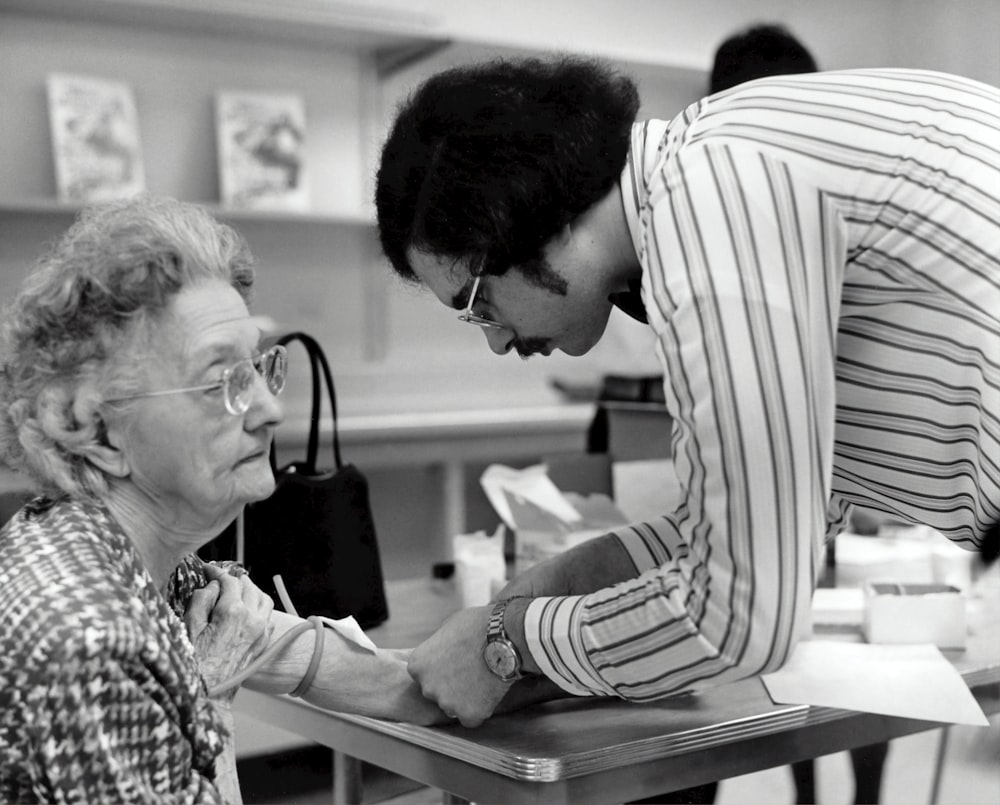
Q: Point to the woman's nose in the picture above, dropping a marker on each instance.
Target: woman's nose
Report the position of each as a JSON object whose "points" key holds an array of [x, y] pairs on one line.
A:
{"points": [[500, 339], [265, 407]]}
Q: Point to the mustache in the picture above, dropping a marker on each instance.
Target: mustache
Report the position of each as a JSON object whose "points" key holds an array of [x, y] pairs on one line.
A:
{"points": [[526, 347]]}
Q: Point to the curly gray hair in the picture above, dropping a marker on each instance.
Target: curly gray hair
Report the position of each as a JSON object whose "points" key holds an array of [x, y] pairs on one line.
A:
{"points": [[70, 338]]}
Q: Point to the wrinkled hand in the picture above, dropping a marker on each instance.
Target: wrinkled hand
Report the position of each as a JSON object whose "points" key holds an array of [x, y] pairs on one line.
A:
{"points": [[228, 621], [450, 670], [399, 695]]}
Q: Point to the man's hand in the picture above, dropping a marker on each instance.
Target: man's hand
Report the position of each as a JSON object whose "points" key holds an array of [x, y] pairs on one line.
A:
{"points": [[228, 621], [450, 670]]}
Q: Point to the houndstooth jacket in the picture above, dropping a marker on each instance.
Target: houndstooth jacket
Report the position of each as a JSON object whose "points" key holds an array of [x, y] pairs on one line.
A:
{"points": [[101, 698]]}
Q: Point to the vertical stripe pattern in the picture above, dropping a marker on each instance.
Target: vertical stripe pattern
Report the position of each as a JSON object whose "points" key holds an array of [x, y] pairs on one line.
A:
{"points": [[821, 266]]}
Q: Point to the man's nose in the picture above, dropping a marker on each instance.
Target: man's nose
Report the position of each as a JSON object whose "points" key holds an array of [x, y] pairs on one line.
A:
{"points": [[500, 339]]}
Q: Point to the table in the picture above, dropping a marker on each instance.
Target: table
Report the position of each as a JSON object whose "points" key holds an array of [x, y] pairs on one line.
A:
{"points": [[597, 751]]}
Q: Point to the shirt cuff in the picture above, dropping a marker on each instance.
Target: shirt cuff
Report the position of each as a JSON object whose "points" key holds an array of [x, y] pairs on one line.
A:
{"points": [[553, 634]]}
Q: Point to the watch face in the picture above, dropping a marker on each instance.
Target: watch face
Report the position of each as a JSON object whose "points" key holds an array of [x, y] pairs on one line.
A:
{"points": [[501, 659]]}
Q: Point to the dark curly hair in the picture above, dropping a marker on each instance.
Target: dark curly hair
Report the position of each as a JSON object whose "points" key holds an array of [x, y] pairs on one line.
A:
{"points": [[487, 163]]}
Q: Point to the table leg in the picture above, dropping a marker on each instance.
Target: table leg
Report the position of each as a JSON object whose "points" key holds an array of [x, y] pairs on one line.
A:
{"points": [[347, 784], [454, 497], [942, 751]]}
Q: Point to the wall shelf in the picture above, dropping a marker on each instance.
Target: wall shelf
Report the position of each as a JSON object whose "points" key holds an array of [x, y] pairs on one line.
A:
{"points": [[41, 207], [358, 26]]}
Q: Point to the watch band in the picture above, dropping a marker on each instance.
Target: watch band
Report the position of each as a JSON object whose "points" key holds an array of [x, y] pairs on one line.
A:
{"points": [[500, 654], [495, 626]]}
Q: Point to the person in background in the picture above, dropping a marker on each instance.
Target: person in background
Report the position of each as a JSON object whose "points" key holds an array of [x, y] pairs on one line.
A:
{"points": [[135, 391], [757, 52], [816, 256]]}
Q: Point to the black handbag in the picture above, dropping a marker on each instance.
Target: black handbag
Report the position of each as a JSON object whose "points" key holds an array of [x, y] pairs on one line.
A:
{"points": [[316, 530]]}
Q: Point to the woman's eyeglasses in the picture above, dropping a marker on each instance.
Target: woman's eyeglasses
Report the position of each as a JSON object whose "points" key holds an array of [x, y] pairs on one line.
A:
{"points": [[474, 318], [238, 380]]}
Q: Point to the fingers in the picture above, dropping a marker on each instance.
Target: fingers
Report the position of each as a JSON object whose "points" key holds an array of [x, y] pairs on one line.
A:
{"points": [[233, 604], [200, 608], [469, 712]]}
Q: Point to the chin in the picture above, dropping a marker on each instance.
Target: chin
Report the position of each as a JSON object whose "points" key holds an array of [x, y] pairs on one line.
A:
{"points": [[260, 488]]}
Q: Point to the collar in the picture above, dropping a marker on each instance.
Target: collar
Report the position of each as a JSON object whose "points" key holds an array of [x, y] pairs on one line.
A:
{"points": [[632, 186]]}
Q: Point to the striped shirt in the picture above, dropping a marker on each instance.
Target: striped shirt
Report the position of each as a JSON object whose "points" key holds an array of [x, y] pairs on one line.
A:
{"points": [[821, 267]]}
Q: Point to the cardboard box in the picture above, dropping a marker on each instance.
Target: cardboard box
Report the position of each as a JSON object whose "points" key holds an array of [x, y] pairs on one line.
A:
{"points": [[898, 612]]}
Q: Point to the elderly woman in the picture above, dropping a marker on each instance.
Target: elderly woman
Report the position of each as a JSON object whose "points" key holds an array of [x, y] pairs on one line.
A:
{"points": [[134, 390]]}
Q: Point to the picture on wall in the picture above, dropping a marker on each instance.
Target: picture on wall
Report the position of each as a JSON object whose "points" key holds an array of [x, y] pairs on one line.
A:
{"points": [[261, 149], [95, 138]]}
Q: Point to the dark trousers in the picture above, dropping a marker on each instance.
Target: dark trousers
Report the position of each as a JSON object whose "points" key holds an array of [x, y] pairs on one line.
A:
{"points": [[867, 762], [698, 795]]}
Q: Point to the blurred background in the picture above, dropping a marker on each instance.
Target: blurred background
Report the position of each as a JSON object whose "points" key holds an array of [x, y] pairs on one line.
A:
{"points": [[425, 406]]}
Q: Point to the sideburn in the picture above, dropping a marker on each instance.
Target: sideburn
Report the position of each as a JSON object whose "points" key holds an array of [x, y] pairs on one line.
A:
{"points": [[540, 274]]}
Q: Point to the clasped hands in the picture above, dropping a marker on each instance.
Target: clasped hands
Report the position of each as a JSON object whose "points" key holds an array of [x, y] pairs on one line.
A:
{"points": [[229, 623], [449, 665]]}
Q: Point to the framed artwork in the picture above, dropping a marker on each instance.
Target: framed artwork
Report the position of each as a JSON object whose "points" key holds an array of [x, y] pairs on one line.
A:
{"points": [[95, 138], [261, 150]]}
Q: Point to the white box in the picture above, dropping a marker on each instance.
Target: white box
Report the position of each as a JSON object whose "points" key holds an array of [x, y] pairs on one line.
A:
{"points": [[914, 613]]}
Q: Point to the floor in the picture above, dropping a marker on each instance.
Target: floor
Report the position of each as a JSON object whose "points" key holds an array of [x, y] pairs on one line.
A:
{"points": [[971, 776]]}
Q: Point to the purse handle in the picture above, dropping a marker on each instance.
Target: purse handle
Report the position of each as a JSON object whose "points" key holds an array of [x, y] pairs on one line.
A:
{"points": [[317, 361]]}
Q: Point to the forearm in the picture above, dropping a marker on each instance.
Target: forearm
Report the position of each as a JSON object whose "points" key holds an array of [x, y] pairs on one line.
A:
{"points": [[593, 565], [349, 679]]}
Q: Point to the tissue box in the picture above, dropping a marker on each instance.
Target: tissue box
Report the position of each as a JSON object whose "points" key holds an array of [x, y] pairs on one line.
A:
{"points": [[914, 613]]}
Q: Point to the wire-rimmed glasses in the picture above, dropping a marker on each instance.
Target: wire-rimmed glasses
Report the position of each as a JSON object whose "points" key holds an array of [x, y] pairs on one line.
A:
{"points": [[238, 380], [474, 318]]}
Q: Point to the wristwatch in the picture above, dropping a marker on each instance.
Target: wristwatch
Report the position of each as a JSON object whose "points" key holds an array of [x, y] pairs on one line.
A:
{"points": [[501, 656]]}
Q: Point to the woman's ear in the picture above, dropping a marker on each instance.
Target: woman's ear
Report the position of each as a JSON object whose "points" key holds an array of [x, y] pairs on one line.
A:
{"points": [[103, 453]]}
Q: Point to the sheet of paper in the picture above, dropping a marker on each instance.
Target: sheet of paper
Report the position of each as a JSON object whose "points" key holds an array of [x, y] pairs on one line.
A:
{"points": [[351, 629], [911, 681], [532, 484]]}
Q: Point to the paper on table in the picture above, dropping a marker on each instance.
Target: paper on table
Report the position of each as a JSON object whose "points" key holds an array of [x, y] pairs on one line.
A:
{"points": [[911, 681], [351, 629]]}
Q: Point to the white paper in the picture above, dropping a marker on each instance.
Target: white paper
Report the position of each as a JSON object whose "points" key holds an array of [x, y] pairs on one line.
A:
{"points": [[532, 484], [349, 628], [910, 681]]}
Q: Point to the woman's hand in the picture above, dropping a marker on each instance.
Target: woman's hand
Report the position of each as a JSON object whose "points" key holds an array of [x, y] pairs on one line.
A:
{"points": [[228, 621]]}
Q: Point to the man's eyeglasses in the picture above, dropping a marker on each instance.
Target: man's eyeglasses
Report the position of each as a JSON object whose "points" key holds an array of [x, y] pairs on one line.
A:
{"points": [[237, 381], [474, 318]]}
